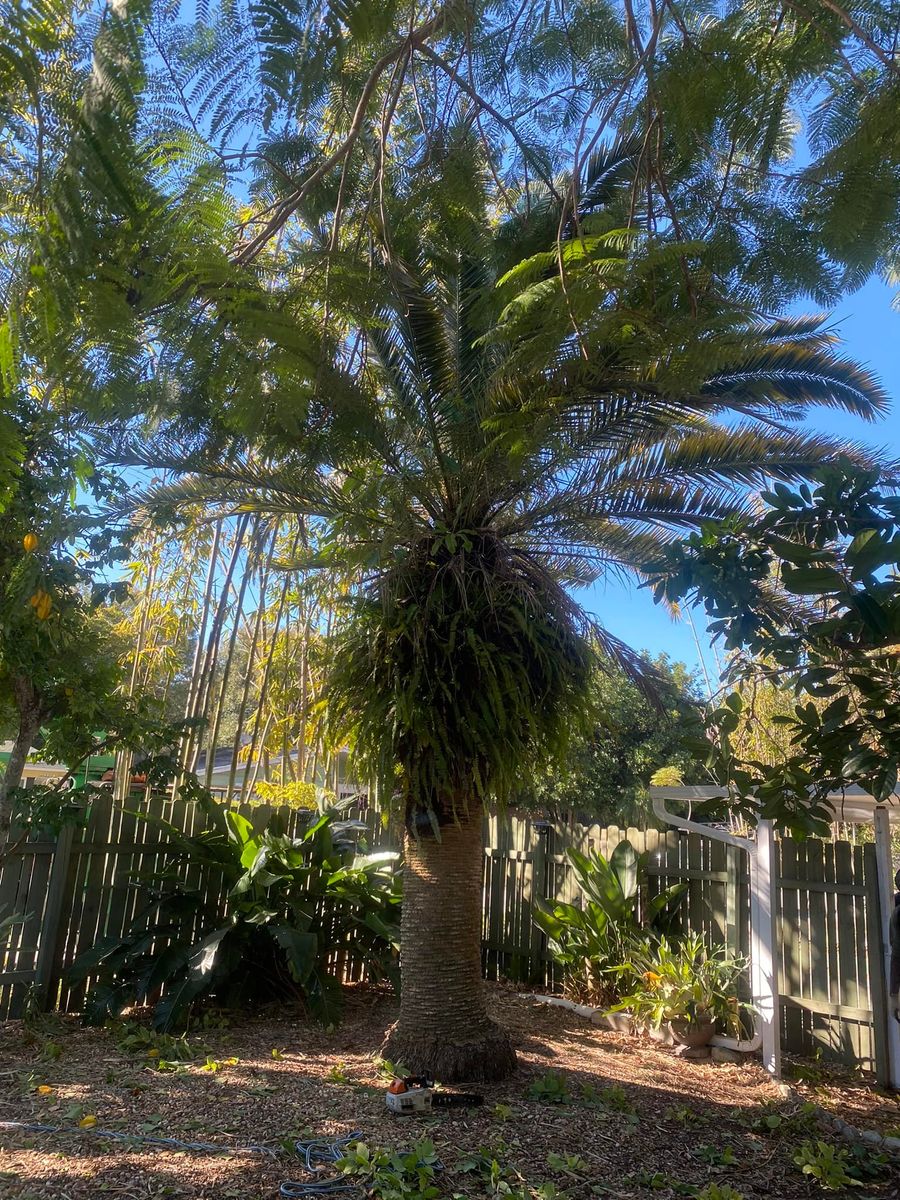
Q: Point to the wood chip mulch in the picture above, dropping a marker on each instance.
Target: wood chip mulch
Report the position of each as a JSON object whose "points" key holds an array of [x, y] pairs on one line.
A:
{"points": [[851, 1095], [634, 1121]]}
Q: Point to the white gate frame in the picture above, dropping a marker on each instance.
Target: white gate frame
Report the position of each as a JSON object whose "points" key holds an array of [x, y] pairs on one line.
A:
{"points": [[763, 914], [853, 806], [882, 819]]}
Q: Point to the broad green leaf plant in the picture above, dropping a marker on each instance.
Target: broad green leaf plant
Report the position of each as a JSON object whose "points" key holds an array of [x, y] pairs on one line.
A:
{"points": [[594, 942], [682, 980], [295, 909]]}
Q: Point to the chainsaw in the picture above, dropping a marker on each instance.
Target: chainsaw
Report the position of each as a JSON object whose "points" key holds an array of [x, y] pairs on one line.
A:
{"points": [[417, 1094]]}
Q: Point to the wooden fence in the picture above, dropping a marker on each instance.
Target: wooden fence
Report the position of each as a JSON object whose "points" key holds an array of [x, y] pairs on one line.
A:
{"points": [[831, 929], [92, 881], [526, 858], [831, 933]]}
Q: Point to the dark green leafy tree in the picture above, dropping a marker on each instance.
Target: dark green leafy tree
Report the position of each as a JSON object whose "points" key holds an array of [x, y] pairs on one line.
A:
{"points": [[806, 598], [627, 739], [65, 89], [60, 679]]}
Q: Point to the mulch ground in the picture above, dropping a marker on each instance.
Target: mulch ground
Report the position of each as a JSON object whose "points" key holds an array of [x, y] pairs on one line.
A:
{"points": [[854, 1097], [589, 1113]]}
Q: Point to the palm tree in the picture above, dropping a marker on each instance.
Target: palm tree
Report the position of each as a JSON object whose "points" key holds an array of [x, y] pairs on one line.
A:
{"points": [[505, 414]]}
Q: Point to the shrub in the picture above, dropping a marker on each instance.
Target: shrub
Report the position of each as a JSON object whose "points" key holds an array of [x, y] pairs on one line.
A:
{"points": [[684, 980], [393, 1174], [297, 794], [285, 912], [550, 1089], [827, 1165], [593, 942]]}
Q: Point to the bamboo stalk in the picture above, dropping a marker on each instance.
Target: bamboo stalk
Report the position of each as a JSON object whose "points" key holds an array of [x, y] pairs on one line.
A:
{"points": [[255, 740], [265, 570], [229, 659], [184, 751], [210, 658]]}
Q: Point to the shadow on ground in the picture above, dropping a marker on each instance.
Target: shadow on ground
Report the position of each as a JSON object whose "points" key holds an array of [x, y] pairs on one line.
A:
{"points": [[589, 1113]]}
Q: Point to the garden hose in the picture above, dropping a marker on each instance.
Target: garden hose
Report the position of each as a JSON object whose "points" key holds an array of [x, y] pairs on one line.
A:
{"points": [[312, 1153], [320, 1150], [117, 1135]]}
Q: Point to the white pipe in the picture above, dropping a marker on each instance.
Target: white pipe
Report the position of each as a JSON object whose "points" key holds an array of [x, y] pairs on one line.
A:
{"points": [[583, 1010], [764, 944], [742, 1045], [719, 835]]}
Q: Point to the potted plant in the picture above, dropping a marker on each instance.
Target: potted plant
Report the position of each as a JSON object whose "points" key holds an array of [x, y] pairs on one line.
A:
{"points": [[684, 987]]}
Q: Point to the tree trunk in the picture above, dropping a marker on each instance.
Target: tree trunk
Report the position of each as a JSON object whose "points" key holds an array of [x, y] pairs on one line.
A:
{"points": [[444, 1031], [29, 726]]}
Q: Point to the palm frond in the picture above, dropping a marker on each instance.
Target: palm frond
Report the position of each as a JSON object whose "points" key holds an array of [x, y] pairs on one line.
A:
{"points": [[799, 375]]}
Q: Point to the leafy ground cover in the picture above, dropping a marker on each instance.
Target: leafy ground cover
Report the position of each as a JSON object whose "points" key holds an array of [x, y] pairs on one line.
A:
{"points": [[590, 1113]]}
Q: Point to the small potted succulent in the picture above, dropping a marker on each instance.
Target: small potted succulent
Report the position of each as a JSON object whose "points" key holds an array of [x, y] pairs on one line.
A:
{"points": [[685, 989]]}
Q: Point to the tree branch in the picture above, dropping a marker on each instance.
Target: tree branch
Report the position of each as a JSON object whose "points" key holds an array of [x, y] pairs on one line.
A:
{"points": [[462, 83], [285, 210]]}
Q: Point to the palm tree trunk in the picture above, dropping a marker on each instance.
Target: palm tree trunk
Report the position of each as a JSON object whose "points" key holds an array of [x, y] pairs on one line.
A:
{"points": [[444, 1030]]}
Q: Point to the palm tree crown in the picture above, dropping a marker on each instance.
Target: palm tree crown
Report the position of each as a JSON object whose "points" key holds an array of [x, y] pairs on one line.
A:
{"points": [[496, 422]]}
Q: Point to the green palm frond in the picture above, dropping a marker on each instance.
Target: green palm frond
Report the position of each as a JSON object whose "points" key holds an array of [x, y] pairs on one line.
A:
{"points": [[742, 454], [544, 215], [238, 487], [799, 375]]}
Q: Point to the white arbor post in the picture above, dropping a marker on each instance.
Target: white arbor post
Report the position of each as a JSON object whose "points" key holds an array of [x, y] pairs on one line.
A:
{"points": [[764, 942], [886, 896], [763, 945]]}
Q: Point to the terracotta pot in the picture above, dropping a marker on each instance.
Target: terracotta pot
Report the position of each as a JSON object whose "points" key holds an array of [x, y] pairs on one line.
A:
{"points": [[692, 1033]]}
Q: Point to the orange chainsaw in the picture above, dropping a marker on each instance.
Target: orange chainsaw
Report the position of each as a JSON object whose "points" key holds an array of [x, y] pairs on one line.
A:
{"points": [[417, 1094]]}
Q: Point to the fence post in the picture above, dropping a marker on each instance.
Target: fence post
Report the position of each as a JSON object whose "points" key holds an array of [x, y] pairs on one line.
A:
{"points": [[538, 968], [50, 925], [881, 891], [732, 910], [764, 944]]}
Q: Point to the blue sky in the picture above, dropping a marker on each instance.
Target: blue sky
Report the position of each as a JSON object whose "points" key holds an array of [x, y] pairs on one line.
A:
{"points": [[871, 332]]}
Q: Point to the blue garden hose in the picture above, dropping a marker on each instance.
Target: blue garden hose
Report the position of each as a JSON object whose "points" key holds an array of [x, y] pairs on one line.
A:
{"points": [[116, 1135], [313, 1153]]}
